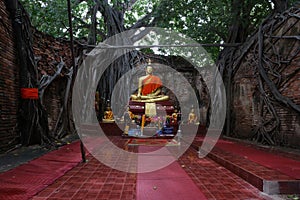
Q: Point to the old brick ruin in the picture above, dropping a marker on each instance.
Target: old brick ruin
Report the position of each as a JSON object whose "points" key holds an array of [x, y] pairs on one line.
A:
{"points": [[9, 83], [247, 105], [193, 77], [49, 51]]}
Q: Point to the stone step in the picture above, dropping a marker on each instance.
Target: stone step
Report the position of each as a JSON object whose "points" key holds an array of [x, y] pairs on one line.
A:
{"points": [[263, 176]]}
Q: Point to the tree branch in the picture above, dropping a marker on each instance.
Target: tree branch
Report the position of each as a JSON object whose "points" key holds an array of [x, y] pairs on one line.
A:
{"points": [[278, 96], [129, 5], [142, 22]]}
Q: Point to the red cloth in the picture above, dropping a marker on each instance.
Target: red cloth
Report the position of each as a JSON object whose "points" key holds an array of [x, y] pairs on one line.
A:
{"points": [[29, 93], [150, 84]]}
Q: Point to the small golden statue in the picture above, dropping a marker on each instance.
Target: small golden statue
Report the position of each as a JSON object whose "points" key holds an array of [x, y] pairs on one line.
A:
{"points": [[149, 88], [174, 115], [192, 117], [108, 115]]}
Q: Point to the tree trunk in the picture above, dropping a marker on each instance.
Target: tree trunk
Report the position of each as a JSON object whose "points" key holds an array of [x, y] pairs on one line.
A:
{"points": [[33, 120], [114, 20], [237, 34]]}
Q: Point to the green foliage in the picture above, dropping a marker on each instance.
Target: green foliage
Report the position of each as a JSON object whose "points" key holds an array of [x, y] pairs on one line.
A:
{"points": [[138, 10], [208, 21], [51, 16], [205, 21], [48, 16]]}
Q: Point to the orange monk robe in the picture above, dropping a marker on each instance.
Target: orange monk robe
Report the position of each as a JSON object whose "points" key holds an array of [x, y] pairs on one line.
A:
{"points": [[151, 84]]}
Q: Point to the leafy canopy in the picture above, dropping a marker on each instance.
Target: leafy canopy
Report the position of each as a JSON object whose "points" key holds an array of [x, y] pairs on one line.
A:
{"points": [[206, 21]]}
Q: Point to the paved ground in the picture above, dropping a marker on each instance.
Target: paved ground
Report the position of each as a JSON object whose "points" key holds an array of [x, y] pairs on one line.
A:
{"points": [[21, 155], [94, 180]]}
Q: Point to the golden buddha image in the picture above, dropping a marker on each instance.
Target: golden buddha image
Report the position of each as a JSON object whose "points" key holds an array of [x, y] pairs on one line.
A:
{"points": [[108, 115], [149, 88], [192, 118]]}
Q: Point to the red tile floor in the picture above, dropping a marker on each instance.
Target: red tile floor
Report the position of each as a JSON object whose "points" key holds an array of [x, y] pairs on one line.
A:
{"points": [[203, 178], [93, 180]]}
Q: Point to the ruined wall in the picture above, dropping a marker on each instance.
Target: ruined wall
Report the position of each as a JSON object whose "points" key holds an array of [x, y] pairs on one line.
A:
{"points": [[9, 83], [247, 101], [193, 79], [290, 121], [196, 81], [48, 53]]}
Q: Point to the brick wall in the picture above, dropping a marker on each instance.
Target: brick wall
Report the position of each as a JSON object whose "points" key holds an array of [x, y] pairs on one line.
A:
{"points": [[192, 78], [9, 83], [49, 51], [246, 101]]}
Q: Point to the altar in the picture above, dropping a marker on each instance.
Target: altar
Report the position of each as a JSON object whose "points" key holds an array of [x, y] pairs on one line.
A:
{"points": [[157, 121], [162, 108]]}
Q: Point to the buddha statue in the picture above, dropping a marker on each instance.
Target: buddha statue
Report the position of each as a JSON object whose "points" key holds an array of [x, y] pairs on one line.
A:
{"points": [[108, 114], [192, 119], [149, 88], [174, 116]]}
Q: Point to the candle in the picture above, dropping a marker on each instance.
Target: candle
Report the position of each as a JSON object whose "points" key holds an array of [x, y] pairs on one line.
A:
{"points": [[143, 123]]}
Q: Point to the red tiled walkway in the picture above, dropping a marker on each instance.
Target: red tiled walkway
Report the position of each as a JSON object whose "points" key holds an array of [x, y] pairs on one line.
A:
{"points": [[26, 180], [270, 172], [286, 166], [170, 182], [188, 178], [93, 180], [215, 181]]}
